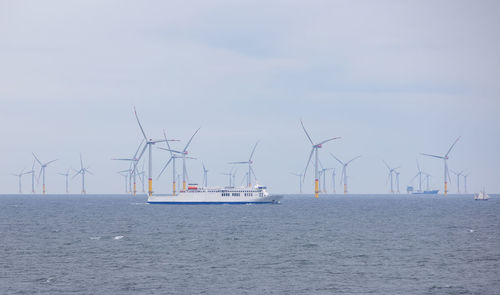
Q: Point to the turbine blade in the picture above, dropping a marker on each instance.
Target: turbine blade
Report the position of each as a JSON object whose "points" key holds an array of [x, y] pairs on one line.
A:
{"points": [[164, 167], [140, 126], [37, 159], [238, 162], [50, 162], [166, 141], [341, 163], [189, 142], [325, 141], [439, 157], [307, 134], [142, 152], [446, 155], [308, 161], [352, 160], [251, 155], [81, 161], [138, 148], [172, 151]]}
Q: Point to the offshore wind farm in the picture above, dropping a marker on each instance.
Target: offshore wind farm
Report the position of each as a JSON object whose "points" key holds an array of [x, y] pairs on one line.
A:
{"points": [[249, 147]]}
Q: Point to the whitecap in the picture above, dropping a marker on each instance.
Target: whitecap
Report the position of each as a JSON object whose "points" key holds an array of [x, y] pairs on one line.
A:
{"points": [[471, 230], [95, 238], [118, 238]]}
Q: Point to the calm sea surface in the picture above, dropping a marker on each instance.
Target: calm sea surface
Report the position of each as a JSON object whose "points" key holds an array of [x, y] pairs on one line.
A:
{"points": [[333, 245]]}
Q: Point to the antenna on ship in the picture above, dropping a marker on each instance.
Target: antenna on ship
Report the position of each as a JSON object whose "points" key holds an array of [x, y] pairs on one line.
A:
{"points": [[314, 150], [205, 173], [445, 159], [343, 176]]}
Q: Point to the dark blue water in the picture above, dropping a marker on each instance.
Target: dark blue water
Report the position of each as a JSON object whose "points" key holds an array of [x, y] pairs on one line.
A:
{"points": [[335, 244]]}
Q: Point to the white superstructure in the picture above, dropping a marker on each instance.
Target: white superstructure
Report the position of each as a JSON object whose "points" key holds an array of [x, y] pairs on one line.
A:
{"points": [[217, 195]]}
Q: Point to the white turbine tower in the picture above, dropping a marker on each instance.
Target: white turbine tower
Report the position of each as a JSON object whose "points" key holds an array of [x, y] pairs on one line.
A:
{"points": [[299, 175], [250, 170], [445, 159], [82, 171], [333, 180], [397, 180], [465, 182], [32, 172], [42, 170], [343, 177], [391, 171], [19, 176], [314, 150], [205, 175], [66, 175], [125, 173], [458, 174]]}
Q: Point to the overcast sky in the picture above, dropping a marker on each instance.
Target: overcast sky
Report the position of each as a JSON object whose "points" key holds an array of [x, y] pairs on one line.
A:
{"points": [[392, 78]]}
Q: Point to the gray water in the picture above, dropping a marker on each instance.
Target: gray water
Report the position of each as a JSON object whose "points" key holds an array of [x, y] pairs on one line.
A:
{"points": [[333, 245]]}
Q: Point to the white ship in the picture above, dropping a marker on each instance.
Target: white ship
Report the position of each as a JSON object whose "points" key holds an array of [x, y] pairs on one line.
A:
{"points": [[481, 196], [218, 195]]}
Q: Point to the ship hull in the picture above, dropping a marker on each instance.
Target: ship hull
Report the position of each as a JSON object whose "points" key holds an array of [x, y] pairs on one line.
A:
{"points": [[207, 199], [433, 192]]}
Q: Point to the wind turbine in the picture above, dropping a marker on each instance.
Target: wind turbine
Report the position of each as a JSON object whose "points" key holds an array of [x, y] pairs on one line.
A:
{"points": [[19, 176], [427, 176], [42, 170], [205, 173], [133, 161], [183, 154], [126, 178], [314, 150], [66, 175], [300, 179], [344, 170], [32, 172], [82, 171], [465, 182], [173, 156], [230, 177], [446, 172], [333, 180], [391, 170], [148, 145], [419, 175], [249, 162], [397, 180], [458, 174]]}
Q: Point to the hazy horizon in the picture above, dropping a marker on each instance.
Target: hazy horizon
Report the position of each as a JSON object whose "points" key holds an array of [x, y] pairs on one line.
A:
{"points": [[392, 79]]}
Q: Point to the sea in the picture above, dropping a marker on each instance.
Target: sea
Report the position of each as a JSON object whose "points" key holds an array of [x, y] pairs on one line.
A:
{"points": [[336, 244]]}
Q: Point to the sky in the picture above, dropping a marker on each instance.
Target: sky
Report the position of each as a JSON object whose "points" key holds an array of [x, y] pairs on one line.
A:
{"points": [[391, 78]]}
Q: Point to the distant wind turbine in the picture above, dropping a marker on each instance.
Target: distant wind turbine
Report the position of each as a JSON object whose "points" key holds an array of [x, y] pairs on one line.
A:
{"points": [[314, 150], [445, 159], [333, 180], [300, 180], [32, 172], [183, 154], [391, 171], [343, 177], [205, 175], [82, 171], [458, 174], [42, 170], [19, 176], [133, 162], [465, 181], [249, 162], [66, 175]]}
